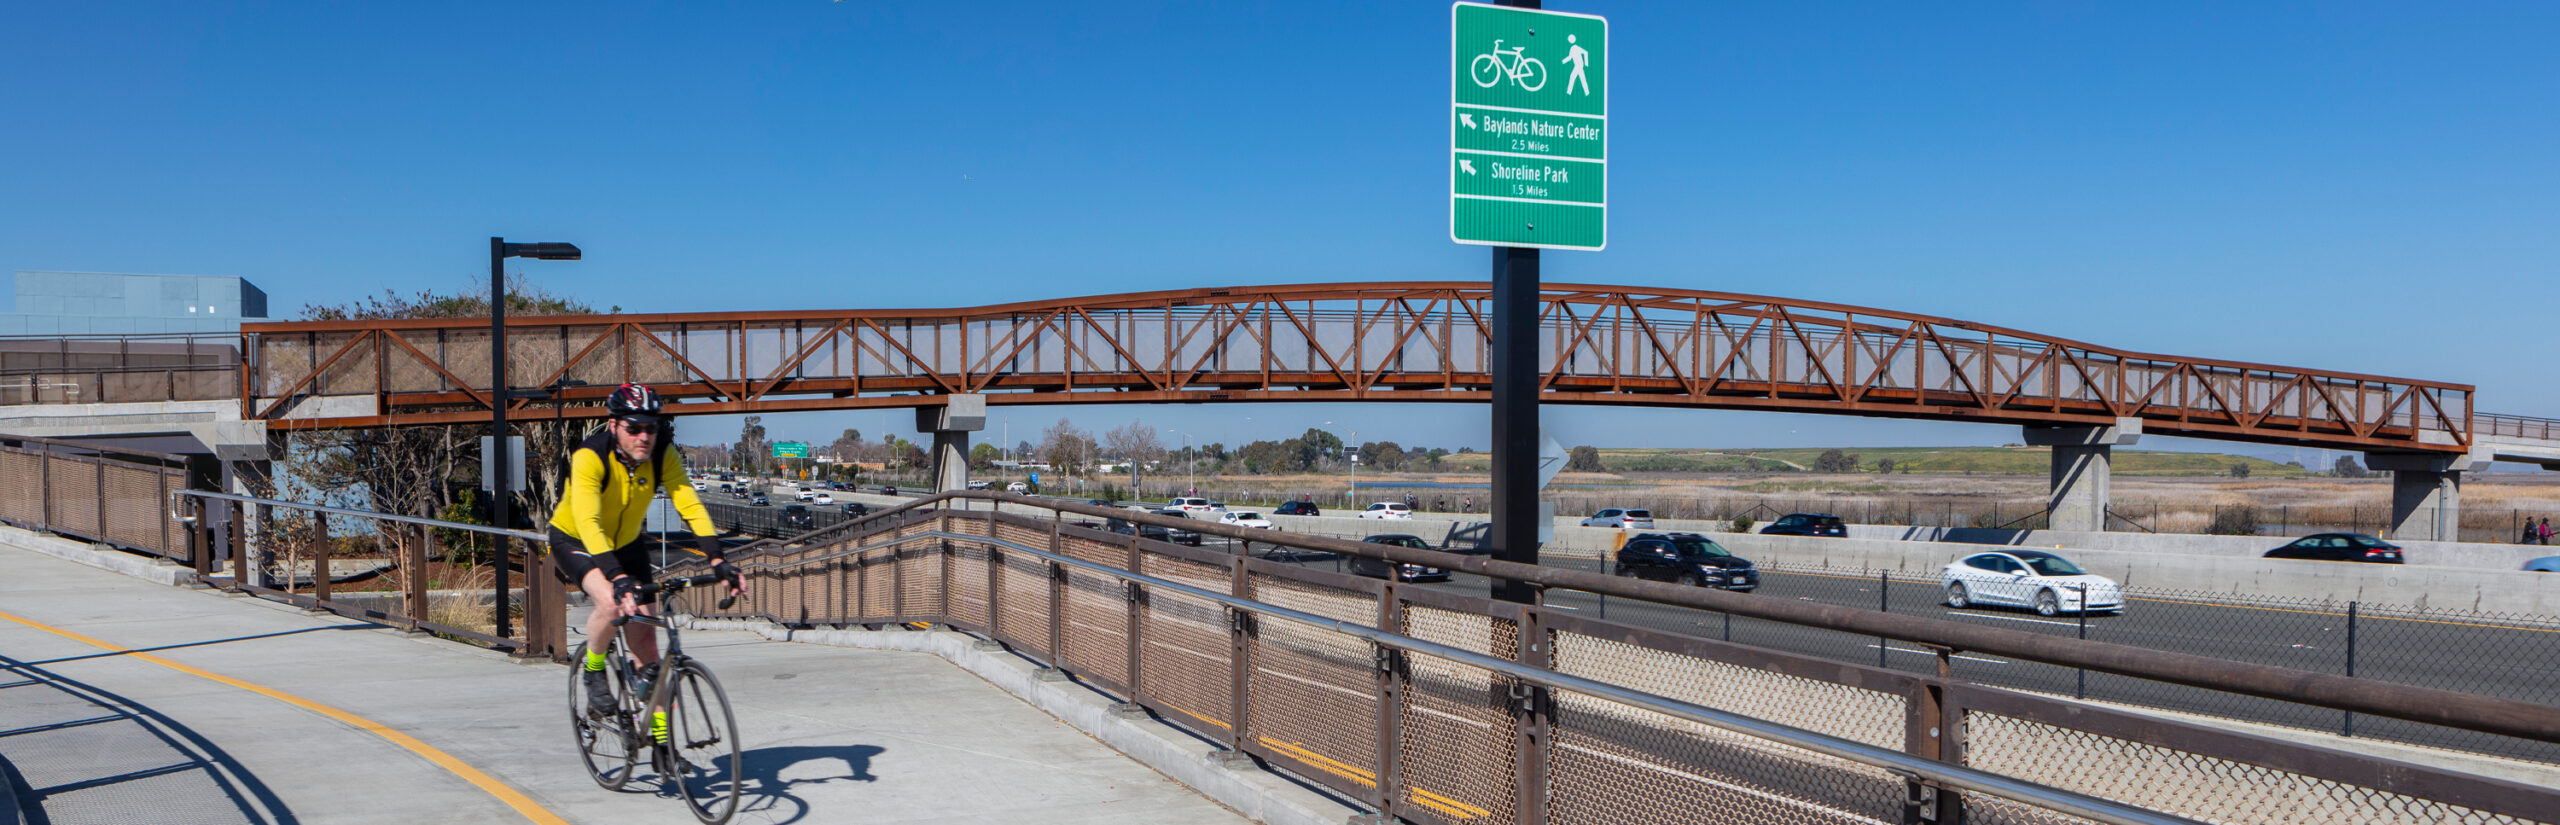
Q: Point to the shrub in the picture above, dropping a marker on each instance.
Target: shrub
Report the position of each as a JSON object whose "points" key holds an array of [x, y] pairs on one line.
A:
{"points": [[1741, 524], [2234, 520]]}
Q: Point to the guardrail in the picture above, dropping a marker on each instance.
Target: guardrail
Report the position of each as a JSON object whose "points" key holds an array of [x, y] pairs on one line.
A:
{"points": [[250, 531], [2515, 426], [1442, 708], [100, 493], [106, 369]]}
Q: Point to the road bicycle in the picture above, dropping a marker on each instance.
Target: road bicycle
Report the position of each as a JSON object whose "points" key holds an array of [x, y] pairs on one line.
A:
{"points": [[699, 755], [1489, 69]]}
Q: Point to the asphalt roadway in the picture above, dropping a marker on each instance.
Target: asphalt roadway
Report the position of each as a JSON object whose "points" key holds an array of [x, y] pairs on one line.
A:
{"points": [[123, 701]]}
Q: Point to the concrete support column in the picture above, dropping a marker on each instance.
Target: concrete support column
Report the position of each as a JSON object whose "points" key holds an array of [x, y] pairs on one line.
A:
{"points": [[2426, 494], [2082, 462], [951, 423]]}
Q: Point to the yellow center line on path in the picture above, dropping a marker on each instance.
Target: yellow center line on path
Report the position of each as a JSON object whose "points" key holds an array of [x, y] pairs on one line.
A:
{"points": [[515, 799]]}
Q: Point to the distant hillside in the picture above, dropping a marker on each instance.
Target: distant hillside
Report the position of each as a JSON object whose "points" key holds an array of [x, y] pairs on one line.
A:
{"points": [[1951, 460]]}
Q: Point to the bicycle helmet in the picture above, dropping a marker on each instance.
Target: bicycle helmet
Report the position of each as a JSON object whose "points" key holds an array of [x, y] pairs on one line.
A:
{"points": [[636, 402]]}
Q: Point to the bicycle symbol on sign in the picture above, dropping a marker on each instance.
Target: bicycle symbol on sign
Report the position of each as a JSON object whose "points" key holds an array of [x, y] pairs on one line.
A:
{"points": [[1489, 69]]}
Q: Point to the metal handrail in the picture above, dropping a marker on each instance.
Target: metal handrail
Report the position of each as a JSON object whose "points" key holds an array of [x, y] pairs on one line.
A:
{"points": [[1907, 765], [2434, 706], [342, 511]]}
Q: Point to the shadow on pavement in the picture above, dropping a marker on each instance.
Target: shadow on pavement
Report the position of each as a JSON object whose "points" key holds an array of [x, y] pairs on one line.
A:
{"points": [[82, 754], [767, 792]]}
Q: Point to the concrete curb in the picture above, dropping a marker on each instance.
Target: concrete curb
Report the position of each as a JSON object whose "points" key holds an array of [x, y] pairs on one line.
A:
{"points": [[1258, 794], [97, 555]]}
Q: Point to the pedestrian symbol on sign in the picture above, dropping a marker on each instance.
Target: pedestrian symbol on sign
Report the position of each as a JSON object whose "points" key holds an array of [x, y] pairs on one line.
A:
{"points": [[1578, 59]]}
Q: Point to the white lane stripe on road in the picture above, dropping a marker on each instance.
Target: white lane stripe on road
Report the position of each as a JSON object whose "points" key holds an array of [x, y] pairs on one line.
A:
{"points": [[2013, 619], [1956, 656]]}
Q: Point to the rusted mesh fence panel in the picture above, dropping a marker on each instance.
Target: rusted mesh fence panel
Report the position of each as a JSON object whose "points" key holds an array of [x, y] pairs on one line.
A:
{"points": [[22, 487], [601, 365], [1460, 755], [353, 373], [73, 489], [1096, 634], [1306, 681], [134, 508], [1607, 753], [2180, 782], [878, 574], [969, 584], [1023, 595], [922, 574], [1185, 663], [405, 371]]}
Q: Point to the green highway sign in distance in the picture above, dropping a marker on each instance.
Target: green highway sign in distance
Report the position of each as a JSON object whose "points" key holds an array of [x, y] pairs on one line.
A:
{"points": [[791, 449], [1528, 128]]}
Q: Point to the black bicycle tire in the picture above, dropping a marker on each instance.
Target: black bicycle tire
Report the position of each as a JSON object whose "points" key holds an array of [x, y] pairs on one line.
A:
{"points": [[683, 674], [580, 726]]}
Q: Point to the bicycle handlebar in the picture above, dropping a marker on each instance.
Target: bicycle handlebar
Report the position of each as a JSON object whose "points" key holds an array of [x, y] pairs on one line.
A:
{"points": [[677, 585]]}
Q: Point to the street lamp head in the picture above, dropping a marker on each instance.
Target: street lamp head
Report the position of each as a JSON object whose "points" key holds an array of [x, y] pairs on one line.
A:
{"points": [[543, 251]]}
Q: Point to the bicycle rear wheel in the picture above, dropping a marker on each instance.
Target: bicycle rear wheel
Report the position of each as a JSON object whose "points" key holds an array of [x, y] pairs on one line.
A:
{"points": [[704, 744], [604, 741]]}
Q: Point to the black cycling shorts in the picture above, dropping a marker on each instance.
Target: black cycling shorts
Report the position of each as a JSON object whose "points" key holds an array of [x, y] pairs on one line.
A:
{"points": [[569, 557]]}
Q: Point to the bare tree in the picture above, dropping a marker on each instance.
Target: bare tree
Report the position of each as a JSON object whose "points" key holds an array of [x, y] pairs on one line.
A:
{"points": [[1137, 443], [1066, 447]]}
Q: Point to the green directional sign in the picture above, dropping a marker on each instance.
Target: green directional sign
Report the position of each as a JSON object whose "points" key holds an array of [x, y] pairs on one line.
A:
{"points": [[1528, 128], [791, 449]]}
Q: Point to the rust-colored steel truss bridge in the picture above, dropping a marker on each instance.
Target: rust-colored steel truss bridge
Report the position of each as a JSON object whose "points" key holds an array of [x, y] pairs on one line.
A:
{"points": [[1426, 341]]}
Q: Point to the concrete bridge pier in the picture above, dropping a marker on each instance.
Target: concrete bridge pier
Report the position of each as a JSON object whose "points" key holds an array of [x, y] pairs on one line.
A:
{"points": [[951, 423], [2426, 494], [2082, 460]]}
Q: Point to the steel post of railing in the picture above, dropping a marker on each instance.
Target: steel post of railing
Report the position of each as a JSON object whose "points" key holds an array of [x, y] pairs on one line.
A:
{"points": [[1389, 687], [321, 545], [413, 602], [238, 535], [1239, 653]]}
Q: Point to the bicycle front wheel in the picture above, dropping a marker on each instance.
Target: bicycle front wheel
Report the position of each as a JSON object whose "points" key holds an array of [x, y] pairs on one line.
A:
{"points": [[704, 744], [603, 740], [1485, 70]]}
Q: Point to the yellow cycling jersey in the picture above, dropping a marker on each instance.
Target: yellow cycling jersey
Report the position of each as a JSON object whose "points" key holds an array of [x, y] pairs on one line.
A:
{"points": [[604, 501]]}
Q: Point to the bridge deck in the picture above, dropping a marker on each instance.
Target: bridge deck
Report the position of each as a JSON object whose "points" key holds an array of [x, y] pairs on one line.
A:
{"points": [[145, 735]]}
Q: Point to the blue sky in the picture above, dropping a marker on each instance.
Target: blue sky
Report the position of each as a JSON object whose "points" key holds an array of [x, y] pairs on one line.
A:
{"points": [[2358, 186]]}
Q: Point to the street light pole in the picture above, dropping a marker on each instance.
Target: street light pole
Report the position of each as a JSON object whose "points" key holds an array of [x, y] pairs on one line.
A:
{"points": [[501, 481]]}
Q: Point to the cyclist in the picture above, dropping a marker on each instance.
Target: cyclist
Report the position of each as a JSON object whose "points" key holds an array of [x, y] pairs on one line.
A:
{"points": [[596, 530]]}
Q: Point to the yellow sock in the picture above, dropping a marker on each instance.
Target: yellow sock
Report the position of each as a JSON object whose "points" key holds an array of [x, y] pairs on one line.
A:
{"points": [[595, 660], [658, 726]]}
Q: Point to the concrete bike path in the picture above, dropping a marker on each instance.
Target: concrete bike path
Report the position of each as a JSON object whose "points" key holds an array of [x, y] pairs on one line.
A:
{"points": [[124, 701]]}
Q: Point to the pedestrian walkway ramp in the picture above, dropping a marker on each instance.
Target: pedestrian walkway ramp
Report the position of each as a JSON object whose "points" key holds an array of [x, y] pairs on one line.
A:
{"points": [[123, 702]]}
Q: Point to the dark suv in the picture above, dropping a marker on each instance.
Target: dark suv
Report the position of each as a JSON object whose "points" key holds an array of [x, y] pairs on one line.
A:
{"points": [[1807, 524], [1687, 558], [798, 517], [1379, 568], [1297, 508], [1167, 535]]}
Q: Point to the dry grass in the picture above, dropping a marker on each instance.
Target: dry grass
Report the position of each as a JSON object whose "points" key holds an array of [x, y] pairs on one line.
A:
{"points": [[470, 608]]}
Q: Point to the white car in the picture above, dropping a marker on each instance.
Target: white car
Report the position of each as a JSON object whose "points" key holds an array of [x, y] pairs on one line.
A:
{"points": [[1387, 510], [981, 485], [1190, 505], [821, 498], [1017, 487], [805, 495], [1621, 518], [2049, 584], [1241, 518], [697, 486]]}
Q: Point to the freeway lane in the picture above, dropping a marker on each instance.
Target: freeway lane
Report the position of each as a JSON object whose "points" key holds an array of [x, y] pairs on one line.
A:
{"points": [[2509, 662]]}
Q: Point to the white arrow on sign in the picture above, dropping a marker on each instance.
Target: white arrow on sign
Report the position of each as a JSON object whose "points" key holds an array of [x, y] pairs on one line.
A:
{"points": [[1550, 457], [1468, 165], [1467, 118]]}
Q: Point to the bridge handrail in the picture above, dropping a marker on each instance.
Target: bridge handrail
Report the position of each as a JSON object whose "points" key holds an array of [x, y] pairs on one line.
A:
{"points": [[2494, 424], [2435, 706], [1952, 775]]}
